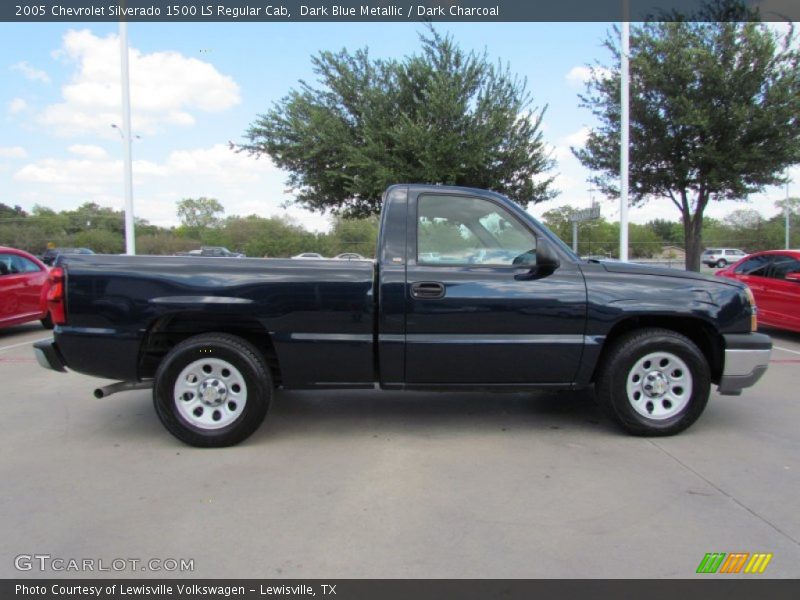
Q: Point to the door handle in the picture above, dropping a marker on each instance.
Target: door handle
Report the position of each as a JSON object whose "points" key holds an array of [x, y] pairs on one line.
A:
{"points": [[427, 290]]}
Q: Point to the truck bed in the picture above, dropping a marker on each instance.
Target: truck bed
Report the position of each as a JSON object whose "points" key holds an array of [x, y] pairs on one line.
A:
{"points": [[311, 309]]}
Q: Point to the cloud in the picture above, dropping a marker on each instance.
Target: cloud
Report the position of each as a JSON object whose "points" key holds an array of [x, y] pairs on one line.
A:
{"points": [[563, 149], [579, 75], [243, 184], [17, 105], [83, 175], [13, 152], [218, 162], [30, 72], [88, 151], [166, 88]]}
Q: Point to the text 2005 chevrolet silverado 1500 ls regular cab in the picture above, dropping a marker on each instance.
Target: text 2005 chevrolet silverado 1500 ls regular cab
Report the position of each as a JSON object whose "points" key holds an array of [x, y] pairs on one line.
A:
{"points": [[467, 291]]}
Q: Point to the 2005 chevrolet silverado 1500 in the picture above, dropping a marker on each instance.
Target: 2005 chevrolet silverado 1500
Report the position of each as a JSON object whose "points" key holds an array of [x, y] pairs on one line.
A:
{"points": [[468, 291]]}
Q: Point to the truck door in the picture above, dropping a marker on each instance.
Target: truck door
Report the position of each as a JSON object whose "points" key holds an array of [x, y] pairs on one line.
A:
{"points": [[474, 313]]}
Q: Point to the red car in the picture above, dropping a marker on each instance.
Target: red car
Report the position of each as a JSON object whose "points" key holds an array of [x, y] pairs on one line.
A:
{"points": [[24, 283], [774, 278]]}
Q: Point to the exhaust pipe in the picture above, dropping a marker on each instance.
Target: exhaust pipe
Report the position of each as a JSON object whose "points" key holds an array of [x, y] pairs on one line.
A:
{"points": [[122, 386]]}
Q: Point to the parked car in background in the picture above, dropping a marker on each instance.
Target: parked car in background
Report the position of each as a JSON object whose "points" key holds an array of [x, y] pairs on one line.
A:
{"points": [[218, 251], [310, 255], [774, 278], [722, 257], [349, 256], [51, 254], [24, 284]]}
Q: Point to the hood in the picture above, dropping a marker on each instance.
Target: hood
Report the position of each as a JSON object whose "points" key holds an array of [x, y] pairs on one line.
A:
{"points": [[638, 269]]}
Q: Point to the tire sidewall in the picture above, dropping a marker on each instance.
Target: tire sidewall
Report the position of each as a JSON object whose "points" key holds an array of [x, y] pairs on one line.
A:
{"points": [[259, 390], [624, 362]]}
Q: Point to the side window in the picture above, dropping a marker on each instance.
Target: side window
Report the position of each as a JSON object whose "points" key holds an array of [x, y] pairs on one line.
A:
{"points": [[5, 264], [461, 230], [756, 265], [783, 265], [20, 264]]}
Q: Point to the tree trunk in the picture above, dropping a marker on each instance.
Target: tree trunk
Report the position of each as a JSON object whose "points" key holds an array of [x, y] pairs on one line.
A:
{"points": [[693, 236]]}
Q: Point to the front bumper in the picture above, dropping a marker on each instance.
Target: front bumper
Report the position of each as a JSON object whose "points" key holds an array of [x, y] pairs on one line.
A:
{"points": [[48, 356], [746, 360]]}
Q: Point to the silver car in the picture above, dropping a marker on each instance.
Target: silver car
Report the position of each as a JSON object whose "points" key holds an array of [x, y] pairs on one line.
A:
{"points": [[721, 257]]}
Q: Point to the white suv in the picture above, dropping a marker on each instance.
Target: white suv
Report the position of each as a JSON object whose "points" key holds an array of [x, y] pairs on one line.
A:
{"points": [[721, 257]]}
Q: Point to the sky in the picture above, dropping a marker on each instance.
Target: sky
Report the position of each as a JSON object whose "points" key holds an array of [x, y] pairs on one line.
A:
{"points": [[197, 87]]}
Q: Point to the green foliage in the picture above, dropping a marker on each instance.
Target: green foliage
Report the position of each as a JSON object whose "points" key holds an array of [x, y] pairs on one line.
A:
{"points": [[714, 113], [441, 116], [8, 212], [353, 235], [101, 241], [161, 241], [197, 214]]}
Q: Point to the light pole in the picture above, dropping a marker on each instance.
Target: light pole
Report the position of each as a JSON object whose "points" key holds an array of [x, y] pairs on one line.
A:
{"points": [[624, 125], [130, 239]]}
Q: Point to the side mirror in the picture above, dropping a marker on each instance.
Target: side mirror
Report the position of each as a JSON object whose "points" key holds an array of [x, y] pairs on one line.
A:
{"points": [[547, 261], [793, 277]]}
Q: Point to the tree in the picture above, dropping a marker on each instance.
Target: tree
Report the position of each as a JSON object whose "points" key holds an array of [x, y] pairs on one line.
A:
{"points": [[200, 213], [714, 113], [8, 212], [442, 116]]}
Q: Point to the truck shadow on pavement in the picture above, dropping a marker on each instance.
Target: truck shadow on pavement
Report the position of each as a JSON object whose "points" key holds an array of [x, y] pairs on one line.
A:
{"points": [[342, 414], [299, 414], [356, 412]]}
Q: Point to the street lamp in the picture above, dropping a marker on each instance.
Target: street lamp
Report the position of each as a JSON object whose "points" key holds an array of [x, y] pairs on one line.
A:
{"points": [[130, 239], [624, 131], [122, 135]]}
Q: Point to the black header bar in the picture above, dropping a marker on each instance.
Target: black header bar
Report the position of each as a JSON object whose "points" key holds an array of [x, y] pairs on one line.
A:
{"points": [[281, 11], [708, 588]]}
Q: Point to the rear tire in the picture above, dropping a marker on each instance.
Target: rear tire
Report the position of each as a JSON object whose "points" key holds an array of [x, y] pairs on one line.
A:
{"points": [[47, 322], [654, 382], [212, 390]]}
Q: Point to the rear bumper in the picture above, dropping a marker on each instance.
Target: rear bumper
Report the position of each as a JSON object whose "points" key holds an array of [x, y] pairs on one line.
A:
{"points": [[48, 356], [746, 360]]}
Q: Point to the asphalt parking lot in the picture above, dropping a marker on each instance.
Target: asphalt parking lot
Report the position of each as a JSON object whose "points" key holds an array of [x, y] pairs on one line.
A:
{"points": [[371, 484]]}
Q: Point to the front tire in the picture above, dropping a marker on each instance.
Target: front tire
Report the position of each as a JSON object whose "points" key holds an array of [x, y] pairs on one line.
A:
{"points": [[654, 382], [722, 263], [212, 390]]}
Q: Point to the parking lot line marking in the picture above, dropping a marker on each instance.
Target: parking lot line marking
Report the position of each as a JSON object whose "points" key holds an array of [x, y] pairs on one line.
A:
{"points": [[22, 344], [786, 349]]}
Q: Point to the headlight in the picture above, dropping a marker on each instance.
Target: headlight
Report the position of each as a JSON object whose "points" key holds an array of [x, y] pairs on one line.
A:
{"points": [[751, 300]]}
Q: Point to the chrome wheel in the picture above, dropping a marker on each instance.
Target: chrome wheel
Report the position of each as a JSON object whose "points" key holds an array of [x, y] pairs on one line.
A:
{"points": [[210, 393], [659, 385]]}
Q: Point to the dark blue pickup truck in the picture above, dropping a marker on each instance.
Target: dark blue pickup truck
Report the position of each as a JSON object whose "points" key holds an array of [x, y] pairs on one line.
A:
{"points": [[467, 292]]}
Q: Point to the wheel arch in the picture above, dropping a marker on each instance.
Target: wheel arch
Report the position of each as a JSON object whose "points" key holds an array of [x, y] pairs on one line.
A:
{"points": [[169, 330], [698, 330]]}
